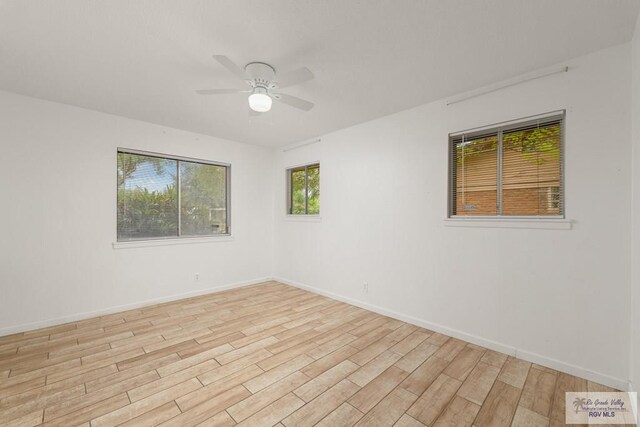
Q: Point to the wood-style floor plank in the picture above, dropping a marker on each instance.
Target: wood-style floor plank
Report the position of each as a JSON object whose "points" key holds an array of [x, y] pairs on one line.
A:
{"points": [[514, 372], [313, 388], [314, 411], [459, 413], [372, 393], [435, 399], [537, 394], [389, 410], [499, 407], [343, 415], [275, 412], [265, 355], [527, 418], [249, 406]]}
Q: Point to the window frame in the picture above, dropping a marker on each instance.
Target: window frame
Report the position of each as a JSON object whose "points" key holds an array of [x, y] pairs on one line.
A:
{"points": [[499, 129], [289, 171], [178, 159]]}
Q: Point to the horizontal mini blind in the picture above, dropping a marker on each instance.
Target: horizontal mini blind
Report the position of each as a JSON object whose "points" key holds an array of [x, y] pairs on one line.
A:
{"points": [[147, 197], [531, 169], [203, 199], [509, 170], [475, 190], [164, 197]]}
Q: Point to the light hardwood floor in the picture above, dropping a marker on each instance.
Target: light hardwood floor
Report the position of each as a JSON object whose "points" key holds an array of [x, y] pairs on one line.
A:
{"points": [[264, 355]]}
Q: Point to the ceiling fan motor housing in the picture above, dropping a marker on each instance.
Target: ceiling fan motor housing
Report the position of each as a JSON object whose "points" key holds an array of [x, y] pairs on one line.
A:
{"points": [[261, 75]]}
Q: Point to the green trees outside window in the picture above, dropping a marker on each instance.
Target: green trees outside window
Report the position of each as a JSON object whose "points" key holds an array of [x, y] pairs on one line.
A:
{"points": [[161, 197], [304, 190]]}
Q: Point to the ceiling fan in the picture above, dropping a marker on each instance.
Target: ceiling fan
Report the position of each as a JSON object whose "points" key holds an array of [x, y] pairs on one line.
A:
{"points": [[264, 85]]}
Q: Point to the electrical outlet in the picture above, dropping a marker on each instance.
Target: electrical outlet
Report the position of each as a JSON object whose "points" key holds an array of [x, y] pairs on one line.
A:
{"points": [[197, 277], [365, 287]]}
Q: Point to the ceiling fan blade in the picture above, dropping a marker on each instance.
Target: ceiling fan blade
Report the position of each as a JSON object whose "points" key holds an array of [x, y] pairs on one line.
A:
{"points": [[293, 101], [231, 66], [220, 91], [294, 77]]}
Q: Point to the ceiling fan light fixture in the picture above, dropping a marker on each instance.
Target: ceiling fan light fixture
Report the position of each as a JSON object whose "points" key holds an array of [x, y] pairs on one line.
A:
{"points": [[259, 101], [261, 78]]}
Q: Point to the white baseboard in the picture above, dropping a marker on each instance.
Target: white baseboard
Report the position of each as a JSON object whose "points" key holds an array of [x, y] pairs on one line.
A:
{"points": [[474, 339], [633, 389], [110, 310], [493, 345]]}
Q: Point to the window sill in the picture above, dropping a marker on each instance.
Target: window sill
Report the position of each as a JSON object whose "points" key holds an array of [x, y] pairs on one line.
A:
{"points": [[171, 242], [491, 222], [303, 218]]}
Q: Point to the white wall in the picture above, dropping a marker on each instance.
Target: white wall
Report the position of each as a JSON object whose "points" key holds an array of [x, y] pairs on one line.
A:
{"points": [[560, 297], [58, 194], [635, 283]]}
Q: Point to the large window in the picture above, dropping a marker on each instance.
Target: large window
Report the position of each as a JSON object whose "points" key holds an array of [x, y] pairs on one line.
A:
{"points": [[163, 197], [303, 190], [510, 170]]}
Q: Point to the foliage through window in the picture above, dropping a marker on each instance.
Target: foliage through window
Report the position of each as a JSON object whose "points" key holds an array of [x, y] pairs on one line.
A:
{"points": [[164, 197], [304, 190], [511, 170]]}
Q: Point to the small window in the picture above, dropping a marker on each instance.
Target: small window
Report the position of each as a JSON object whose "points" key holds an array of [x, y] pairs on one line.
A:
{"points": [[168, 197], [303, 190], [510, 170]]}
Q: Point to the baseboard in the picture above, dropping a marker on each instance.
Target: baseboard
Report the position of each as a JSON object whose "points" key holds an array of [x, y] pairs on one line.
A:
{"points": [[102, 312], [632, 388], [492, 345], [474, 339]]}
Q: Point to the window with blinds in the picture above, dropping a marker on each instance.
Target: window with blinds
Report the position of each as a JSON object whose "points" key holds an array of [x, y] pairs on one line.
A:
{"points": [[303, 190], [510, 170], [168, 197]]}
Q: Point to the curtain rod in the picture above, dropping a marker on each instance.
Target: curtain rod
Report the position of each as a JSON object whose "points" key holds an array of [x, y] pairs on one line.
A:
{"points": [[507, 83], [300, 144], [523, 120]]}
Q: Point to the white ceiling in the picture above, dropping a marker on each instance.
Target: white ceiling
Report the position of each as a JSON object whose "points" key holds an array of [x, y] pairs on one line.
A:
{"points": [[143, 59]]}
